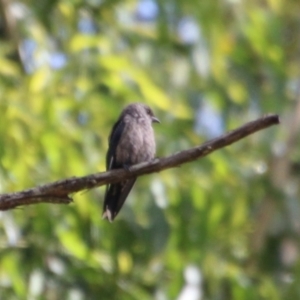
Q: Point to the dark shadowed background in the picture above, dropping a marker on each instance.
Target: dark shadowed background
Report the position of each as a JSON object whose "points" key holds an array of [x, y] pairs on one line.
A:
{"points": [[224, 227]]}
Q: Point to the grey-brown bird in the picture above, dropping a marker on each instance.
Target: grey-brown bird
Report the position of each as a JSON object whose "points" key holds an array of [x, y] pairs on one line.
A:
{"points": [[131, 141]]}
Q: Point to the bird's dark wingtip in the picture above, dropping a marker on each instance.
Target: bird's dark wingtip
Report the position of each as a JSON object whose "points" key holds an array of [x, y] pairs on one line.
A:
{"points": [[107, 214]]}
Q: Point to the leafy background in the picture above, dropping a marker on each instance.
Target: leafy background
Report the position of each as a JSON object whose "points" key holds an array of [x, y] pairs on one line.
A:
{"points": [[223, 227]]}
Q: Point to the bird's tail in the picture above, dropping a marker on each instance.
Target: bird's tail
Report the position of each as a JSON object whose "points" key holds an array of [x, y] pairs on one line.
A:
{"points": [[115, 197]]}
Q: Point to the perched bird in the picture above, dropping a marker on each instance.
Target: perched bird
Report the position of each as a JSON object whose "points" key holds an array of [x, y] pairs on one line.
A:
{"points": [[131, 141]]}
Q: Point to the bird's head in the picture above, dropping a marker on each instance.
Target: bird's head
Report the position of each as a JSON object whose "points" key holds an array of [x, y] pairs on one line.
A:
{"points": [[140, 109]]}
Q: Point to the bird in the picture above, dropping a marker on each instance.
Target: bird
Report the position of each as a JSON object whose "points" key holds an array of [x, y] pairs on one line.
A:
{"points": [[131, 141]]}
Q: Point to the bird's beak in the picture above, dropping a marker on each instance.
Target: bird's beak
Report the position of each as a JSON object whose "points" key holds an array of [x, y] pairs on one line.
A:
{"points": [[155, 120]]}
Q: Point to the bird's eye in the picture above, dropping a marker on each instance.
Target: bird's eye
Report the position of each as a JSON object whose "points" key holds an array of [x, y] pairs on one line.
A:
{"points": [[148, 111]]}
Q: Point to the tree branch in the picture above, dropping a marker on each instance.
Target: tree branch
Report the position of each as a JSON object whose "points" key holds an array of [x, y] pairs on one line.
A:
{"points": [[59, 191]]}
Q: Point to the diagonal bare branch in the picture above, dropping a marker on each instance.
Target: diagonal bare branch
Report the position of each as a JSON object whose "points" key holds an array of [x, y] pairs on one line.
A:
{"points": [[59, 192]]}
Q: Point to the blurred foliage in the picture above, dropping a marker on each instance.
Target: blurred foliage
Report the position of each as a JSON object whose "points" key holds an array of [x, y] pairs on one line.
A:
{"points": [[224, 227]]}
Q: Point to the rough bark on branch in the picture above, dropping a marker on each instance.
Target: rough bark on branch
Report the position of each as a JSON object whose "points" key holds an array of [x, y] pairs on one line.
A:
{"points": [[59, 191]]}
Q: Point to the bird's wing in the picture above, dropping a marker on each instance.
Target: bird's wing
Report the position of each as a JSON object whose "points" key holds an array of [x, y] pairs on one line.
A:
{"points": [[115, 194], [113, 142]]}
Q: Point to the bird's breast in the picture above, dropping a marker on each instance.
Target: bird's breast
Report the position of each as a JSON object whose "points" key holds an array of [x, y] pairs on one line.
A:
{"points": [[137, 144]]}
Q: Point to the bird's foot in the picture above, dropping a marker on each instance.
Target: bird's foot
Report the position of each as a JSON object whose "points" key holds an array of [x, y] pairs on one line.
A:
{"points": [[127, 167]]}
